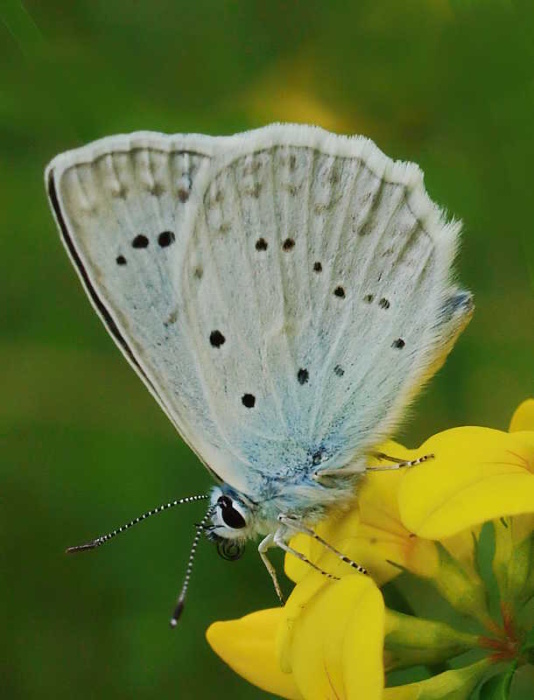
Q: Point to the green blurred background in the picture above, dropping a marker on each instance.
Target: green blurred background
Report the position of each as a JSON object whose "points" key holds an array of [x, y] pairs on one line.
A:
{"points": [[84, 447]]}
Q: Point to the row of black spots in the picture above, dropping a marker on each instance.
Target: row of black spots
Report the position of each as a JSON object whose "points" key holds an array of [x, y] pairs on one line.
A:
{"points": [[139, 242], [383, 303], [287, 245], [165, 239]]}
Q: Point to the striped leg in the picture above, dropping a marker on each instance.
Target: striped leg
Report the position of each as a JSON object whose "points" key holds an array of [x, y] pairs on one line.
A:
{"points": [[396, 462], [297, 526], [279, 541], [264, 545]]}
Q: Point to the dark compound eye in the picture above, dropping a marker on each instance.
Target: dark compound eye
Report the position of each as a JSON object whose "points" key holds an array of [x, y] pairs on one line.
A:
{"points": [[230, 515]]}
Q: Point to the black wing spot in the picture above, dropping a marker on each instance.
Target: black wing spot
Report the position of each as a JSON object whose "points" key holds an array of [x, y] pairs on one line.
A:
{"points": [[248, 400], [120, 260], [302, 376], [183, 194], [140, 241], [384, 303], [399, 343], [288, 244], [217, 339], [198, 272], [165, 239], [317, 267], [368, 298], [261, 244], [339, 371], [339, 292]]}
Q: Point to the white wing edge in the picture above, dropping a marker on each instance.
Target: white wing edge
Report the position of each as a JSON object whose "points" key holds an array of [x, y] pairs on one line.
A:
{"points": [[443, 230], [225, 149]]}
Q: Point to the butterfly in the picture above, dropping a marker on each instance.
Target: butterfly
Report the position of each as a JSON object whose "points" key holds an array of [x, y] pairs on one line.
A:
{"points": [[283, 294]]}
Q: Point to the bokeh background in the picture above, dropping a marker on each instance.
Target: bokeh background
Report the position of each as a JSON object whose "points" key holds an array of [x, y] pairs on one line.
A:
{"points": [[448, 84]]}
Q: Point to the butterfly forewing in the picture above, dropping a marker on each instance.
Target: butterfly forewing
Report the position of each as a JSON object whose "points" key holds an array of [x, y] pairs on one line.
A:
{"points": [[121, 205], [282, 291]]}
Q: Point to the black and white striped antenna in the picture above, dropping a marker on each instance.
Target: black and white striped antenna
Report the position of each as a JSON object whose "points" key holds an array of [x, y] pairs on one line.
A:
{"points": [[105, 538], [181, 598]]}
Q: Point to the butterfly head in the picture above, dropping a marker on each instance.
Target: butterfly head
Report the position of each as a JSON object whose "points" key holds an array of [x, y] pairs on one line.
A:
{"points": [[232, 522]]}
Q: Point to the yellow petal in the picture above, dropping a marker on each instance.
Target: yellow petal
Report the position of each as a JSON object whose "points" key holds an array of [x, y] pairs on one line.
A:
{"points": [[451, 685], [299, 600], [523, 418], [363, 660], [478, 475], [248, 646], [337, 641]]}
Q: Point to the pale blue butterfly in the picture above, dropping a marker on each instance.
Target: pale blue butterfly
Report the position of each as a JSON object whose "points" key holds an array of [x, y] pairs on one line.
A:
{"points": [[283, 293]]}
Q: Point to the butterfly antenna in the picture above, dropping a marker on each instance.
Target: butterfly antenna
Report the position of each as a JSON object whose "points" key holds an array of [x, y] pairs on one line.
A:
{"points": [[178, 610], [104, 538]]}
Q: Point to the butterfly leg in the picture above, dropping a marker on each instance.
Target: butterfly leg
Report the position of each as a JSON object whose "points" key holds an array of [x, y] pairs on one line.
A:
{"points": [[397, 463], [297, 526], [264, 545], [280, 541]]}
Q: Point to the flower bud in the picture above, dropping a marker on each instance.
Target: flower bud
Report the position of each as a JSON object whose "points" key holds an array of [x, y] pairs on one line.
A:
{"points": [[411, 641]]}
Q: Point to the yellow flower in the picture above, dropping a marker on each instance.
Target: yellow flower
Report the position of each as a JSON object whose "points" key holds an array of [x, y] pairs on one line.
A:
{"points": [[326, 642], [336, 639]]}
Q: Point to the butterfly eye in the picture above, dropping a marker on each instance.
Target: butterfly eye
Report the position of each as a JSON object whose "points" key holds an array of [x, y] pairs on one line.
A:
{"points": [[230, 515]]}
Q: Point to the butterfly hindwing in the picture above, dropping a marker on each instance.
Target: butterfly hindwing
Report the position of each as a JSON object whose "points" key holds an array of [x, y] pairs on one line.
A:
{"points": [[326, 269]]}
